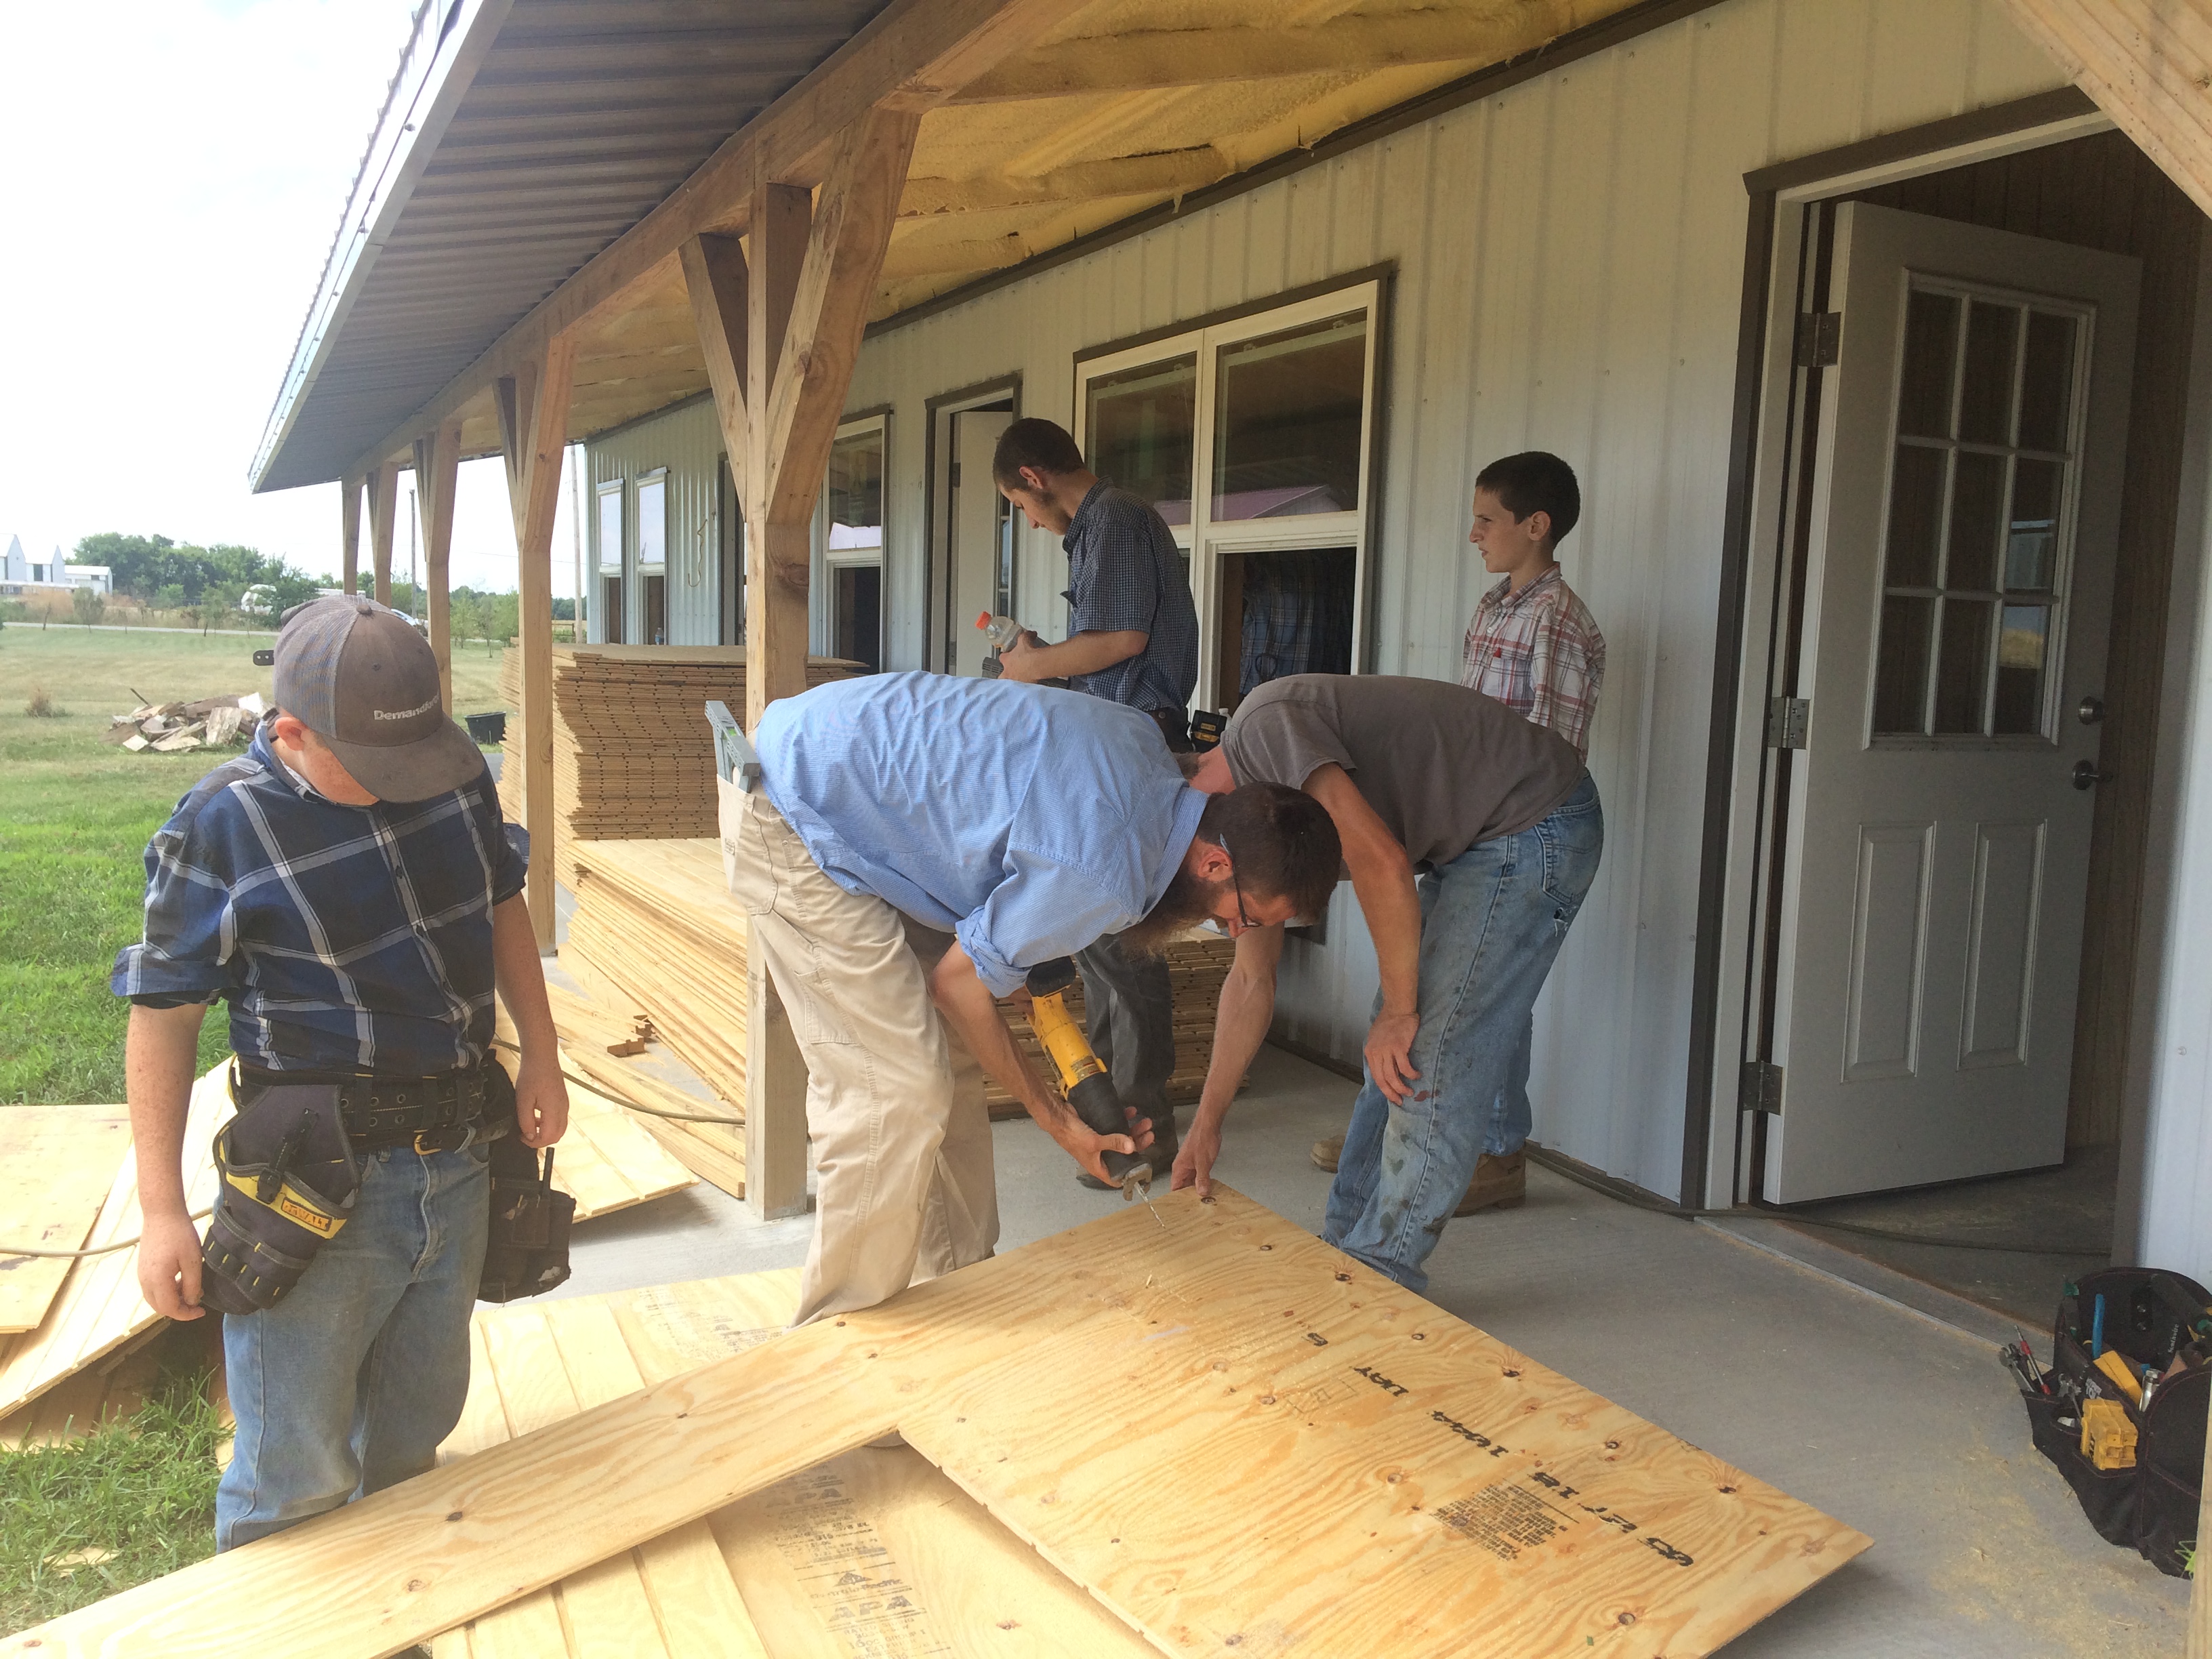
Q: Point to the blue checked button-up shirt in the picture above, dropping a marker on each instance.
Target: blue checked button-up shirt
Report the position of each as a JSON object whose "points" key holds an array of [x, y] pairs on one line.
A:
{"points": [[1023, 820], [1125, 572], [345, 939]]}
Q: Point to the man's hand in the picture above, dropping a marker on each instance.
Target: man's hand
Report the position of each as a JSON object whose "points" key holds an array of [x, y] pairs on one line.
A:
{"points": [[1089, 1148], [1194, 1164], [1021, 659], [169, 1266], [1389, 1053], [541, 1103]]}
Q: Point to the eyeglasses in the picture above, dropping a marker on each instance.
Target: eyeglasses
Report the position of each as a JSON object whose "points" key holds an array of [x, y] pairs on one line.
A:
{"points": [[1238, 886]]}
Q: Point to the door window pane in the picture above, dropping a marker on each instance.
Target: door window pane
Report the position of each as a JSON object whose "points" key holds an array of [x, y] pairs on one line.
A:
{"points": [[858, 614], [1962, 666], [1977, 513], [1931, 351], [1985, 389], [1900, 675], [855, 491], [1287, 418], [656, 611], [1142, 428], [652, 522], [2032, 537], [2047, 391], [610, 528], [2022, 644], [1295, 615], [1915, 517]]}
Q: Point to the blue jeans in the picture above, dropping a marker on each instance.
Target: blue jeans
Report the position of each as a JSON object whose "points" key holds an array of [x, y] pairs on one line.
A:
{"points": [[1492, 923], [349, 1384]]}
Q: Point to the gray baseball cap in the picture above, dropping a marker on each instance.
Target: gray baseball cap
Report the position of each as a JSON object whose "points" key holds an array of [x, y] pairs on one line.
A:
{"points": [[360, 678]]}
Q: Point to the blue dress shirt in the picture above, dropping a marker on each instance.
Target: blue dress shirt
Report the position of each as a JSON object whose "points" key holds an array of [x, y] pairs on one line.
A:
{"points": [[1025, 821]]}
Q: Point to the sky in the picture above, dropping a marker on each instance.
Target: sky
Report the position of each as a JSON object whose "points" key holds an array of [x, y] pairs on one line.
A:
{"points": [[175, 170]]}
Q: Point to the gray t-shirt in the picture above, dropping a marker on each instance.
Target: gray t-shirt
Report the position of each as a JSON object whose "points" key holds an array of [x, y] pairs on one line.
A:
{"points": [[1442, 766]]}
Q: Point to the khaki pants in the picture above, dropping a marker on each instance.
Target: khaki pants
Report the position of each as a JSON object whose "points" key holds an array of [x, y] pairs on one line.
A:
{"points": [[900, 1139]]}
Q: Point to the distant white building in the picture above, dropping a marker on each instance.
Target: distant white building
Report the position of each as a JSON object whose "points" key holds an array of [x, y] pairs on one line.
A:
{"points": [[23, 576]]}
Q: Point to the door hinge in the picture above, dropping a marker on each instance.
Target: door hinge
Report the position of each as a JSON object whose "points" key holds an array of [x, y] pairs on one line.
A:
{"points": [[1819, 337], [1762, 1087], [1786, 721]]}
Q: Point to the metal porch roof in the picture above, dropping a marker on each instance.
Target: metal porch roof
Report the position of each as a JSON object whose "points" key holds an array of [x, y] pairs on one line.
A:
{"points": [[520, 138]]}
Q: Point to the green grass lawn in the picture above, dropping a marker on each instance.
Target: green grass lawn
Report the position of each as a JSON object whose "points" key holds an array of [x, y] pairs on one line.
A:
{"points": [[75, 818]]}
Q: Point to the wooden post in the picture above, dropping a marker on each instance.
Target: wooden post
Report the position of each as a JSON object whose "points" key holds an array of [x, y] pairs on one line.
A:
{"points": [[437, 473], [349, 534], [533, 429], [383, 510], [780, 327]]}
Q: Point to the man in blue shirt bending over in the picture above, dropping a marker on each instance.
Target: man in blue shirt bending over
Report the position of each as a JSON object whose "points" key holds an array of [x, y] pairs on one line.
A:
{"points": [[915, 844]]}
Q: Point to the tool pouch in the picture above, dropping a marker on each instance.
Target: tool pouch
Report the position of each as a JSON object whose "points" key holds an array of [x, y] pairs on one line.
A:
{"points": [[288, 1179], [526, 1249], [2150, 1316]]}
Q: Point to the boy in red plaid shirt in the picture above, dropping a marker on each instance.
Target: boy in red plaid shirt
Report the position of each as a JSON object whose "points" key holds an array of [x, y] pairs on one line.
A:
{"points": [[1532, 644], [1534, 648]]}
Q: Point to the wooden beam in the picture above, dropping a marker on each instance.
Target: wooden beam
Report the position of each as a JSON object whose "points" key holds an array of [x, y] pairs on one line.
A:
{"points": [[1146, 60], [913, 56], [779, 556], [437, 475], [1169, 173], [349, 533], [533, 424], [2148, 63], [383, 510]]}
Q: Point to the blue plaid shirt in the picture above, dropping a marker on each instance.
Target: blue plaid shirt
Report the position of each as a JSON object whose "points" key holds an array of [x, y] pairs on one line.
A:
{"points": [[345, 939], [1125, 572]]}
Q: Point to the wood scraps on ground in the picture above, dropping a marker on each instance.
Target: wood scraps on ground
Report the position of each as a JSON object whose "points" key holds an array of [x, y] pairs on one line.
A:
{"points": [[1269, 1446]]}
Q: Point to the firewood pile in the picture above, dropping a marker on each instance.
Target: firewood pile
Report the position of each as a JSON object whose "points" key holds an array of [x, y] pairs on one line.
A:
{"points": [[174, 728]]}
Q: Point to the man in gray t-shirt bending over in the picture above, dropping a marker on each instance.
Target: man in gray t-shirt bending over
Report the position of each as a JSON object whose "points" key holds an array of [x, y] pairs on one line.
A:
{"points": [[1472, 837]]}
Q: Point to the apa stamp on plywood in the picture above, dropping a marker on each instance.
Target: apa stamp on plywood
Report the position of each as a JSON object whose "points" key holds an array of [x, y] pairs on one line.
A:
{"points": [[848, 1571], [1506, 1519]]}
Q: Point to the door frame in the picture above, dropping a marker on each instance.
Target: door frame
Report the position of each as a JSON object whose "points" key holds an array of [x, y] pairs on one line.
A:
{"points": [[1784, 274], [936, 506]]}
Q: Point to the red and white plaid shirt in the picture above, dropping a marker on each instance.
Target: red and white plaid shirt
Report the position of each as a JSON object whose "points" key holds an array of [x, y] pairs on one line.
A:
{"points": [[1540, 653]]}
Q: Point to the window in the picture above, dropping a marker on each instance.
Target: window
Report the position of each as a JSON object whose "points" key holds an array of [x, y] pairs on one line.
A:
{"points": [[850, 526], [653, 556], [610, 537], [1984, 465], [1252, 437]]}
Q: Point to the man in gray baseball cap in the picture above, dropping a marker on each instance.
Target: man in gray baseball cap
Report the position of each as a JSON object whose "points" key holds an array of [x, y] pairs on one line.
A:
{"points": [[347, 888], [361, 679]]}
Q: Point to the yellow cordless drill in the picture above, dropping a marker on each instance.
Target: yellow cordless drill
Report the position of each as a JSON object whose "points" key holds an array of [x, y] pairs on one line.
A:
{"points": [[1082, 1079]]}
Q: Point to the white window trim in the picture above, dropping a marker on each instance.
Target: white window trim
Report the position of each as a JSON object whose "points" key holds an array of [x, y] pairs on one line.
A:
{"points": [[1204, 538]]}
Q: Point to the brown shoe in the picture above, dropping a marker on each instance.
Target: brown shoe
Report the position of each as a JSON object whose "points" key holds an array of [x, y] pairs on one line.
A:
{"points": [[1500, 1183], [1326, 1152]]}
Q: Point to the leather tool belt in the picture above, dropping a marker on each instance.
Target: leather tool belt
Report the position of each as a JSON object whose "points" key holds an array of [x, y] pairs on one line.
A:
{"points": [[442, 1114]]}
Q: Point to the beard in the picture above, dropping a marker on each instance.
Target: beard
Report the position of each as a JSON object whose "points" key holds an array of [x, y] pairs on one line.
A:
{"points": [[1187, 900]]}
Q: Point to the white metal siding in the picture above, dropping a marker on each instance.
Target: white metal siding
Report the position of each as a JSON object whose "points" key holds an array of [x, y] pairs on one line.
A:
{"points": [[688, 441], [1569, 260]]}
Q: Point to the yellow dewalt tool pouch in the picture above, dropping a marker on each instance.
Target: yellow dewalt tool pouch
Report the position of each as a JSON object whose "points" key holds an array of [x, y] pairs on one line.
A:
{"points": [[289, 1181]]}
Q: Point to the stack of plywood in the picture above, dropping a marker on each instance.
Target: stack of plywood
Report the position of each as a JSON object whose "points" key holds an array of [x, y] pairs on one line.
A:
{"points": [[633, 755], [654, 921], [1197, 964]]}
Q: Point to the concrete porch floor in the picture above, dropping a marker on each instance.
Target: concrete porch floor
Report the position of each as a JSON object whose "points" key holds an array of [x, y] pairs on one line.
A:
{"points": [[1899, 1423]]}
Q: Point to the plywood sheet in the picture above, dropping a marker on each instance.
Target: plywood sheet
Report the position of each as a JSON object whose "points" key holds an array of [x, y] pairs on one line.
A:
{"points": [[607, 1161], [99, 1308], [1229, 1433], [56, 1167]]}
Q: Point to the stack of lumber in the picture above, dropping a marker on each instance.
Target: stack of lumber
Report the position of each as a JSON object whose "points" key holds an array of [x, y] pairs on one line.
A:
{"points": [[96, 1308], [633, 755], [654, 921], [1304, 1459], [1197, 964]]}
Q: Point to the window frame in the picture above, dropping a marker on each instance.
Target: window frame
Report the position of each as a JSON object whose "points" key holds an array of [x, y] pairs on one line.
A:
{"points": [[1208, 542], [830, 560]]}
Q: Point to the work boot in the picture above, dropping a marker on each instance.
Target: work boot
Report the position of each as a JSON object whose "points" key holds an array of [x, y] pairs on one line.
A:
{"points": [[1161, 1154], [1500, 1183], [1326, 1153]]}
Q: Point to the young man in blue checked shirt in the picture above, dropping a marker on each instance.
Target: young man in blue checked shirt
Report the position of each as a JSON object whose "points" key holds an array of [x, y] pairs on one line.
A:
{"points": [[347, 887], [1132, 639]]}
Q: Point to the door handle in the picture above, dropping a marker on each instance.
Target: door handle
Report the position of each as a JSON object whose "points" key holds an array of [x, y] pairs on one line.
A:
{"points": [[2086, 774]]}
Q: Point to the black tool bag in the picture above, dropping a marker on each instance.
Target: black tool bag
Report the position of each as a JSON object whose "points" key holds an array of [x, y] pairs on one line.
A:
{"points": [[2149, 1316], [526, 1249], [289, 1181]]}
